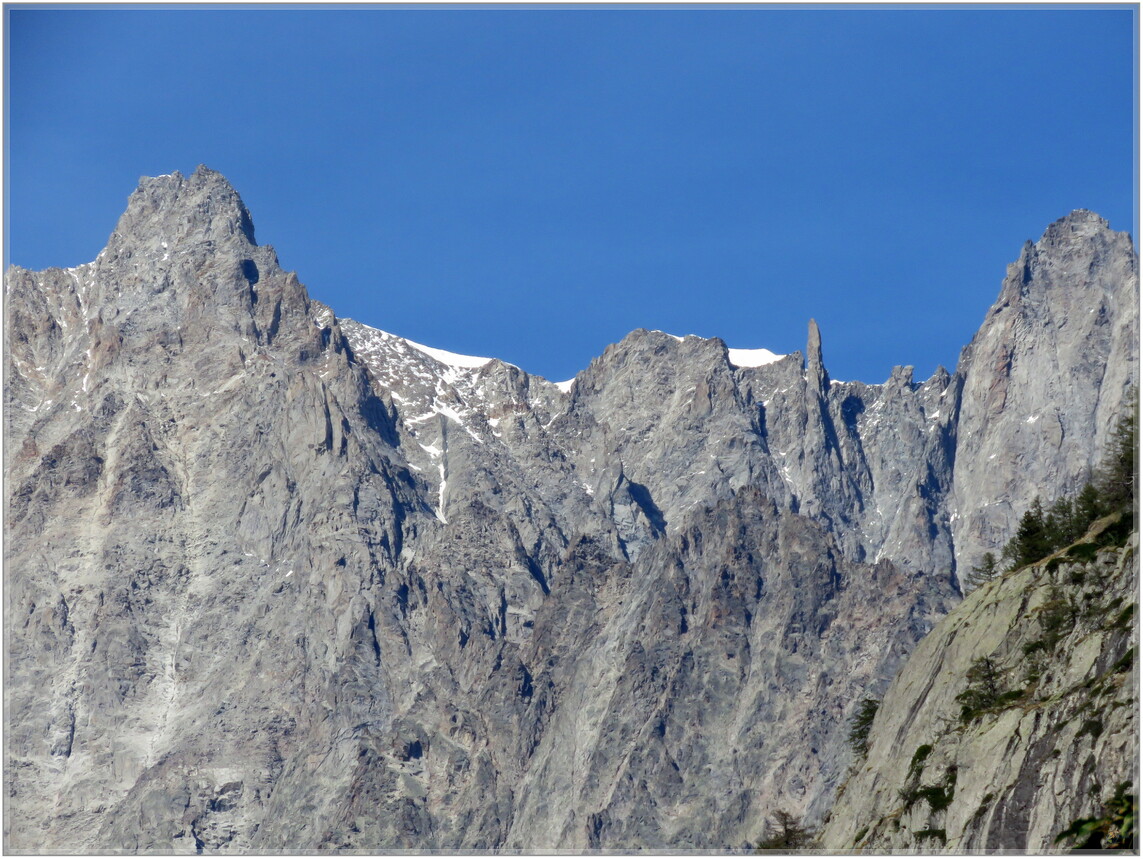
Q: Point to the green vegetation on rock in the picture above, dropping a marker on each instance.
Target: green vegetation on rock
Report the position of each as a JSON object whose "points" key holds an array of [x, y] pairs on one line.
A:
{"points": [[860, 724], [1044, 531], [1115, 829]]}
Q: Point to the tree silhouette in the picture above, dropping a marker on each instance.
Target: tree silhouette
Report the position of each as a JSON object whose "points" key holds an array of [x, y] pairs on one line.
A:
{"points": [[784, 832]]}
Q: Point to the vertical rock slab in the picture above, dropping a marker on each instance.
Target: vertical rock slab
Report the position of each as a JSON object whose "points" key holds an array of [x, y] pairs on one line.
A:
{"points": [[1045, 379]]}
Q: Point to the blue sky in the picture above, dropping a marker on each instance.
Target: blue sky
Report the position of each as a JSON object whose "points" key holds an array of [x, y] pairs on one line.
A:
{"points": [[533, 184]]}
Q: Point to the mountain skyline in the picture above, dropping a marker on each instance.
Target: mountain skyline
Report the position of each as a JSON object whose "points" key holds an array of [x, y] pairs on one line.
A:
{"points": [[279, 581], [533, 184]]}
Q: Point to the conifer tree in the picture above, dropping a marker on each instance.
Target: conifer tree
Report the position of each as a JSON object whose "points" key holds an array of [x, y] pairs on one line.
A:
{"points": [[1032, 541], [1117, 478], [860, 725], [1088, 507], [982, 572], [784, 832]]}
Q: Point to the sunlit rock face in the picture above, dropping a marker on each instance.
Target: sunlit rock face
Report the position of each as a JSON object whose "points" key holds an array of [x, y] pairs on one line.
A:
{"points": [[278, 580], [1045, 378], [1045, 656]]}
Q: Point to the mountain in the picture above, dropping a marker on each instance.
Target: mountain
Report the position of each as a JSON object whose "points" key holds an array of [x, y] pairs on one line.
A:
{"points": [[281, 581], [1044, 378]]}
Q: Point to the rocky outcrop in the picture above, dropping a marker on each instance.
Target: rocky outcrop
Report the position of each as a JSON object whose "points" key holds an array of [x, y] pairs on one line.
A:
{"points": [[282, 581], [1017, 715], [200, 487], [1045, 379]]}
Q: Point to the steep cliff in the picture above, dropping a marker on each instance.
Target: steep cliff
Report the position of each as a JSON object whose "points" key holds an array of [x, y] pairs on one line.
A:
{"points": [[282, 581], [1044, 379], [1017, 715]]}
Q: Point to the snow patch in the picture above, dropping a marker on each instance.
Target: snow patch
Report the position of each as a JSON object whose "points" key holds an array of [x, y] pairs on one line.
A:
{"points": [[566, 387], [323, 317], [441, 494], [448, 412], [450, 358], [752, 357]]}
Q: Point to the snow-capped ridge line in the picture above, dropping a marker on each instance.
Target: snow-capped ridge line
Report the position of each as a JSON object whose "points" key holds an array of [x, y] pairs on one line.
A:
{"points": [[453, 359], [740, 358]]}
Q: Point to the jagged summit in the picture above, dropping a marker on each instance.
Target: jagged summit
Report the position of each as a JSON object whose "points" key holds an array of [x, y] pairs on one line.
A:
{"points": [[1079, 220], [1082, 226], [1078, 232], [203, 207]]}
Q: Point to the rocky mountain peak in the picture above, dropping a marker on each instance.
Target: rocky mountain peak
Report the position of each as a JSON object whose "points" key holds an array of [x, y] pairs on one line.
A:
{"points": [[1080, 223], [1080, 234], [176, 210], [1046, 377]]}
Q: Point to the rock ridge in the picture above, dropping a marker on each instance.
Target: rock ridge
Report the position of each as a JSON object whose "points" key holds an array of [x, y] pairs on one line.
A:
{"points": [[476, 609]]}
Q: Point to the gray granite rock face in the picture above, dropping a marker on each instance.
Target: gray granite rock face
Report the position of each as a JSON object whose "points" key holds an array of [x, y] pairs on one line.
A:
{"points": [[281, 581], [1058, 737], [1045, 379]]}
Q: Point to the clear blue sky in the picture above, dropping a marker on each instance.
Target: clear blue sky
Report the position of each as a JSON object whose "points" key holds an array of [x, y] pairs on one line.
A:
{"points": [[533, 184]]}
